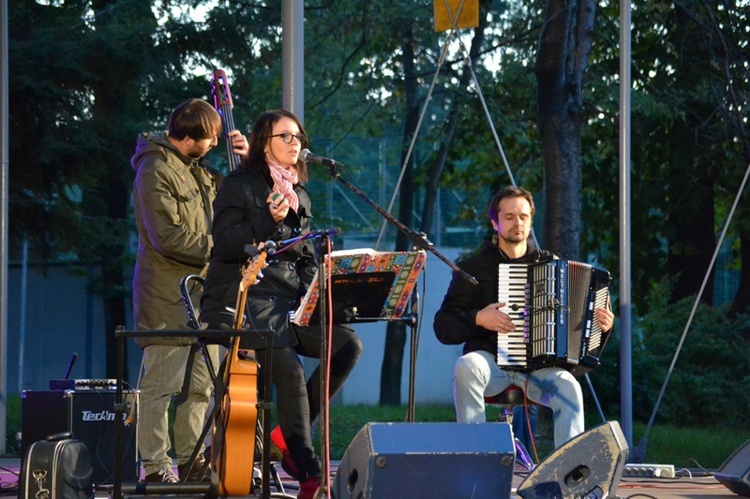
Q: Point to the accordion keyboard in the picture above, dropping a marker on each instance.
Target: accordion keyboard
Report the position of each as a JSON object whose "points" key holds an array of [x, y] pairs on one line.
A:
{"points": [[512, 289]]}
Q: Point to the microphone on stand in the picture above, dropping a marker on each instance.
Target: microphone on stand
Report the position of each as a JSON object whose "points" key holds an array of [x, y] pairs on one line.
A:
{"points": [[306, 156], [323, 232], [313, 233], [72, 362]]}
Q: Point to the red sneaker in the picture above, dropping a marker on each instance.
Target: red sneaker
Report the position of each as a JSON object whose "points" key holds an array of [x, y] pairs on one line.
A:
{"points": [[278, 447], [308, 488]]}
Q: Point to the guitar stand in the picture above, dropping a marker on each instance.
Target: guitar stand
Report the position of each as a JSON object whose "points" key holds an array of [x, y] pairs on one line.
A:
{"points": [[262, 438], [122, 408]]}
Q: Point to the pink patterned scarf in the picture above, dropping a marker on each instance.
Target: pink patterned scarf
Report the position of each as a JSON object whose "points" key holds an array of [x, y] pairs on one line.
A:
{"points": [[284, 180]]}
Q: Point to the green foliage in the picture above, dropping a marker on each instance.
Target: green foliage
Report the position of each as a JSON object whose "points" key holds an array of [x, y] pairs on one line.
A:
{"points": [[86, 77], [12, 423], [706, 386]]}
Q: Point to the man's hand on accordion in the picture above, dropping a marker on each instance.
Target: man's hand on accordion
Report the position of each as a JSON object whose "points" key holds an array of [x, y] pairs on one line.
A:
{"points": [[492, 319], [605, 317]]}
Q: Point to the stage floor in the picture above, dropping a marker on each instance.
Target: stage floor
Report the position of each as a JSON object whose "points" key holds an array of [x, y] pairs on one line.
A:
{"points": [[687, 484]]}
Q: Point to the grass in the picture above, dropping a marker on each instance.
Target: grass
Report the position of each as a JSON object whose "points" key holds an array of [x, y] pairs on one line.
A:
{"points": [[682, 447], [690, 447], [706, 447]]}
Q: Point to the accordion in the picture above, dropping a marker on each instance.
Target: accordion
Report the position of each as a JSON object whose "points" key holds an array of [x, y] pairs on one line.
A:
{"points": [[552, 306]]}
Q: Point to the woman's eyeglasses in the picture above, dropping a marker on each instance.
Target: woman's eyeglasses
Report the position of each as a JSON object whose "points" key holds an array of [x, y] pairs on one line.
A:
{"points": [[288, 137]]}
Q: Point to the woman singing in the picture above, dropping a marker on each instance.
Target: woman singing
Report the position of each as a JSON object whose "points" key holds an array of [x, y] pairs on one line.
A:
{"points": [[265, 200]]}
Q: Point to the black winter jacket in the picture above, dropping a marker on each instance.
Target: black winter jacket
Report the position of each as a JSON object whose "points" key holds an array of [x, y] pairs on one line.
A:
{"points": [[241, 217], [455, 321]]}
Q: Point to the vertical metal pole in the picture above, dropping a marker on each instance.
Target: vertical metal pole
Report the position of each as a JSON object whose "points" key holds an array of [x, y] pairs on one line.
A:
{"points": [[22, 313], [292, 57], [4, 182], [626, 367], [323, 305]]}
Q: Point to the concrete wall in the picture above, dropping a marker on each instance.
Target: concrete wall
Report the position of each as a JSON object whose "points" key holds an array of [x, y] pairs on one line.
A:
{"points": [[51, 317]]}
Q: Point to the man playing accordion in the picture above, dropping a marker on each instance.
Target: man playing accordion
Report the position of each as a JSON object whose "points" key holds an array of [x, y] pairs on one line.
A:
{"points": [[471, 314]]}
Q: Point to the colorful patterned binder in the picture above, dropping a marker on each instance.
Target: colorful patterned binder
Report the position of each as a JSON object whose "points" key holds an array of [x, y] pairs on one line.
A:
{"points": [[366, 285]]}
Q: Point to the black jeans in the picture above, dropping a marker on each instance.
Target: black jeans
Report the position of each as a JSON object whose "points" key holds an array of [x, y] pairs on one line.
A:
{"points": [[298, 401]]}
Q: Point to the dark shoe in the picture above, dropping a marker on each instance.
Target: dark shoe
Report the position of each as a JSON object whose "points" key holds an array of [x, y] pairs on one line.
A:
{"points": [[196, 472], [308, 488], [279, 451], [164, 475]]}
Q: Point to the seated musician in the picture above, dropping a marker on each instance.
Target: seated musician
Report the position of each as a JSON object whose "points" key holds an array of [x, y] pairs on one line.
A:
{"points": [[470, 315]]}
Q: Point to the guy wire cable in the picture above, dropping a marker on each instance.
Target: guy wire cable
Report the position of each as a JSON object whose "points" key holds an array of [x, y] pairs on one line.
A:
{"points": [[427, 100], [640, 450]]}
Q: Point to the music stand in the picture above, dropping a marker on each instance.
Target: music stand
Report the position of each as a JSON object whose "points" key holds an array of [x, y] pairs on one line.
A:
{"points": [[121, 409], [366, 286]]}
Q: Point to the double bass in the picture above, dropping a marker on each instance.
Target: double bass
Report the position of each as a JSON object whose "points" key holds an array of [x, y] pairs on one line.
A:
{"points": [[223, 104], [234, 458]]}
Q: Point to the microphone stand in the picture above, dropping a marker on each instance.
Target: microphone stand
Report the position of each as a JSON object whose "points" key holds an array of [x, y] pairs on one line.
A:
{"points": [[322, 240], [419, 241]]}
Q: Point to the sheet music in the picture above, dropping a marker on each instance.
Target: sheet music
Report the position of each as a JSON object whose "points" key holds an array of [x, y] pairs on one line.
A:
{"points": [[366, 275]]}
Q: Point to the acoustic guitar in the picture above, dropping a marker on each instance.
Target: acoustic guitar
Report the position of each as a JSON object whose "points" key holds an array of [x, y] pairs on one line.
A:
{"points": [[239, 406]]}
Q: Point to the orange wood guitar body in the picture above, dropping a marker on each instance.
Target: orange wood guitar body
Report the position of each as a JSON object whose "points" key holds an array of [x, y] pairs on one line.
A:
{"points": [[239, 407]]}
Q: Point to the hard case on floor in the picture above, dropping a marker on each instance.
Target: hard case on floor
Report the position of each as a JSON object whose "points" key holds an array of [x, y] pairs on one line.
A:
{"points": [[59, 467]]}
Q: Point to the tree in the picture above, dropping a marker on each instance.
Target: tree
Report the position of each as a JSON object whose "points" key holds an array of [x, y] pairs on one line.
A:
{"points": [[368, 65], [561, 63]]}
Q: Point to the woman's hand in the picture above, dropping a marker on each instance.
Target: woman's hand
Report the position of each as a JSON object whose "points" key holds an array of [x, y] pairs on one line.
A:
{"points": [[278, 206]]}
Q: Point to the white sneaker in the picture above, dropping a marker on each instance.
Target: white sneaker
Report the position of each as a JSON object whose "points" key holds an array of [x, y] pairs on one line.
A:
{"points": [[164, 475]]}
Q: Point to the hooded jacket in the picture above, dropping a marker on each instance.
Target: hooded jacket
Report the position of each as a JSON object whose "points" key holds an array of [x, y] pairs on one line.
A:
{"points": [[455, 321], [172, 197]]}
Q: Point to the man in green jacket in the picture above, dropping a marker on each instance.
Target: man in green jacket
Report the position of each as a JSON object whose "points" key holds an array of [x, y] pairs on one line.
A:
{"points": [[173, 194]]}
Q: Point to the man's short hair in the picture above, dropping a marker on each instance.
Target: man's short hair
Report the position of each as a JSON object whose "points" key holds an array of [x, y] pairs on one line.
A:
{"points": [[510, 192], [194, 118]]}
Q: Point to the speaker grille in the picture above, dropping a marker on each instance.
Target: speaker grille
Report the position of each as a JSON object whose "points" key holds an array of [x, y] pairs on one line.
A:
{"points": [[387, 460]]}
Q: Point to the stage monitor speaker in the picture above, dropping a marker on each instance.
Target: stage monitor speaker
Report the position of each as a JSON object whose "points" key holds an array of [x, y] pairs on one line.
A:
{"points": [[589, 465], [734, 474], [90, 415], [430, 460]]}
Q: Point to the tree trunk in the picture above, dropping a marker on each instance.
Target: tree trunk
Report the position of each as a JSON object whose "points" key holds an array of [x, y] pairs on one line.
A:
{"points": [[692, 175], [691, 218], [564, 48], [395, 337]]}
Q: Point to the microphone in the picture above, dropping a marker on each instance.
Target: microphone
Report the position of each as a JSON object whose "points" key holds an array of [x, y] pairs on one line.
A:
{"points": [[324, 232], [72, 361], [312, 234], [306, 156]]}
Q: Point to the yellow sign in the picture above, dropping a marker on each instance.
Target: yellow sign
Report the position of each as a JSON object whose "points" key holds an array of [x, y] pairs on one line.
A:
{"points": [[468, 17]]}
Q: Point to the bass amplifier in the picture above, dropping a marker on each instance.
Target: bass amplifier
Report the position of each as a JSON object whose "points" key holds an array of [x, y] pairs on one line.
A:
{"points": [[90, 416]]}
